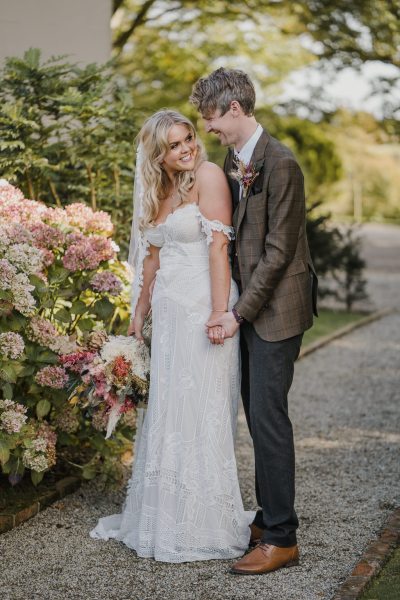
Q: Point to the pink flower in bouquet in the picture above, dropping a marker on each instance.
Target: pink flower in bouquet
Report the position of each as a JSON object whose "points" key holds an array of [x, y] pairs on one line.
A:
{"points": [[121, 369], [11, 345], [52, 376], [106, 282], [12, 416]]}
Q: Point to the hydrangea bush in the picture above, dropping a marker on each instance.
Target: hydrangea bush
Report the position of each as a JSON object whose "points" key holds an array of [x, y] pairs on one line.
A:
{"points": [[62, 291]]}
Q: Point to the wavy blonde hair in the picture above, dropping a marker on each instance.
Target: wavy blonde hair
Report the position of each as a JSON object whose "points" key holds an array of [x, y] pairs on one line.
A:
{"points": [[154, 139]]}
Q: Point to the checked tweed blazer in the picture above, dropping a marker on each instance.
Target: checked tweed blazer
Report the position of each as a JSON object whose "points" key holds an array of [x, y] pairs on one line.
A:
{"points": [[271, 258]]}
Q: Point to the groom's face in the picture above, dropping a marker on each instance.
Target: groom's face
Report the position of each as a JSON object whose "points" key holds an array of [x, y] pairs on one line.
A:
{"points": [[222, 125]]}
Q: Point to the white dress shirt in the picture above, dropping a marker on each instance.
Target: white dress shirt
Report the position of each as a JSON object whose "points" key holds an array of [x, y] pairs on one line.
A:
{"points": [[246, 152]]}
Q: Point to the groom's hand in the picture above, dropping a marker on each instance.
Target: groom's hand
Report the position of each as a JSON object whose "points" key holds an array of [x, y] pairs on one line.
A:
{"points": [[225, 320]]}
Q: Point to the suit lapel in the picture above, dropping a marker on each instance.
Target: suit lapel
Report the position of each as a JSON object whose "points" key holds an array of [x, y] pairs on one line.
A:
{"points": [[233, 184], [258, 156]]}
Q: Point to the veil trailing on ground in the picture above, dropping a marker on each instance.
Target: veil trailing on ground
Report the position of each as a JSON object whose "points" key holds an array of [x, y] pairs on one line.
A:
{"points": [[138, 245]]}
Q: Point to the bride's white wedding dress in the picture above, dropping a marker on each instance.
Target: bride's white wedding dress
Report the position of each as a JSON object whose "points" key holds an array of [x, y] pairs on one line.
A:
{"points": [[183, 500]]}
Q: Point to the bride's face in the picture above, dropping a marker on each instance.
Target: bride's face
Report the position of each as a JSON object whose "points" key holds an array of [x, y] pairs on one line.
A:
{"points": [[182, 151]]}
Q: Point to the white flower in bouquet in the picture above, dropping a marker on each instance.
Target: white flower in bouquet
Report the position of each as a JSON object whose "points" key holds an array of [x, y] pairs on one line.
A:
{"points": [[133, 350]]}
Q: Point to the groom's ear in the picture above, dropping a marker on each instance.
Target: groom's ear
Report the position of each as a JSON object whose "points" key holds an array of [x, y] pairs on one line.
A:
{"points": [[235, 109]]}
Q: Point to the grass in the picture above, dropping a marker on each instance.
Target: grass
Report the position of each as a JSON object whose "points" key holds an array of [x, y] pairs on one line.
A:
{"points": [[387, 585], [328, 321]]}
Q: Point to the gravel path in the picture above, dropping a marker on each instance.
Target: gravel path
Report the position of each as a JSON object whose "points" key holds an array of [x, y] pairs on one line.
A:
{"points": [[344, 406]]}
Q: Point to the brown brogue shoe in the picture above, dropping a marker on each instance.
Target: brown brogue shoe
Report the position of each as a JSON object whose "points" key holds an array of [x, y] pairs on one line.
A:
{"points": [[266, 558], [255, 535]]}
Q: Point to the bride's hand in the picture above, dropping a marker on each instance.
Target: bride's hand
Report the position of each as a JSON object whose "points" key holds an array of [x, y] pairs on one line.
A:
{"points": [[136, 326]]}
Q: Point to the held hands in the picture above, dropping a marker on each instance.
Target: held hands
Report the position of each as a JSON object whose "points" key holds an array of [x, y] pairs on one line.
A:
{"points": [[225, 321]]}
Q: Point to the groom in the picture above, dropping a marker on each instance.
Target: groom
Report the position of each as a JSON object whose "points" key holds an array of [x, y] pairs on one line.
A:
{"points": [[277, 284]]}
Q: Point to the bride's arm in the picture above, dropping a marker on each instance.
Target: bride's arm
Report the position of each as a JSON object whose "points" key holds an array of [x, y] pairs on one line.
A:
{"points": [[215, 204], [150, 265]]}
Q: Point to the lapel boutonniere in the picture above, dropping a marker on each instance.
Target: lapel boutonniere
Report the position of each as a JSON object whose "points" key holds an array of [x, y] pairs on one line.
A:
{"points": [[245, 175]]}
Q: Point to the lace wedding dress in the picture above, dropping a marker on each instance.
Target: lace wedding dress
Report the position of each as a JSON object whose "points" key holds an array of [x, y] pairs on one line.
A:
{"points": [[183, 500]]}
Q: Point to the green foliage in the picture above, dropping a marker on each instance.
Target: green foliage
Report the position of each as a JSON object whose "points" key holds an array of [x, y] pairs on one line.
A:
{"points": [[336, 254], [67, 134]]}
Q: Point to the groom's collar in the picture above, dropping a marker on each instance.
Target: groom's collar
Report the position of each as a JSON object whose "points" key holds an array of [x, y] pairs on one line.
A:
{"points": [[259, 150], [246, 152]]}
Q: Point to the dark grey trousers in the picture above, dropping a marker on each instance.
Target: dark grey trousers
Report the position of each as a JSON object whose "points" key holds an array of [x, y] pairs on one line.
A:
{"points": [[267, 374]]}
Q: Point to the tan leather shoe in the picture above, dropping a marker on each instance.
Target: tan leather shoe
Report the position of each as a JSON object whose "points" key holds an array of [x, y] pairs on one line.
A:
{"points": [[255, 535], [266, 558]]}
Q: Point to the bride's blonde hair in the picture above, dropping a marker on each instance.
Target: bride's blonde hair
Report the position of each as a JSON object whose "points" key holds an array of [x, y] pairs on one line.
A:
{"points": [[154, 139]]}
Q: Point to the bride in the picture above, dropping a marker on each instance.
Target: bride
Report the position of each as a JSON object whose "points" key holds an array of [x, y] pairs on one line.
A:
{"points": [[183, 501]]}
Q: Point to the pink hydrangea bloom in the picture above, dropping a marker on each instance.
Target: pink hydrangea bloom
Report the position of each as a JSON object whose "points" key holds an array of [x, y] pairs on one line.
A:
{"points": [[41, 330], [12, 416], [52, 376], [11, 345], [77, 361], [81, 257], [46, 236], [7, 274], [106, 282]]}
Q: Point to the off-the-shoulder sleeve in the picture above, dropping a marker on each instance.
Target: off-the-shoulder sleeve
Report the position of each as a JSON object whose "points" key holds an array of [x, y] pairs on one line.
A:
{"points": [[208, 227]]}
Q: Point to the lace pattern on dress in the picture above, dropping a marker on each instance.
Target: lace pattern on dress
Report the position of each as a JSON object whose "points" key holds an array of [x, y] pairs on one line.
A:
{"points": [[208, 227]]}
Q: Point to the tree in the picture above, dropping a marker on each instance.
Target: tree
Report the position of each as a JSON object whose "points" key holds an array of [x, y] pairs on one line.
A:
{"points": [[67, 134]]}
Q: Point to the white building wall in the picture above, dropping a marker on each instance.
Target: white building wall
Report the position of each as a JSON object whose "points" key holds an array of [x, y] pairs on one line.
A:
{"points": [[78, 28]]}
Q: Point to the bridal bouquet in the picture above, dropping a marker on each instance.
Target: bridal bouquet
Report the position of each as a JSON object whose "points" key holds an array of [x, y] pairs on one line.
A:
{"points": [[112, 380]]}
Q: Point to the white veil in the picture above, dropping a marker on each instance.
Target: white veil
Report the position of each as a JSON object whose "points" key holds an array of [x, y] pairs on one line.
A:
{"points": [[138, 244]]}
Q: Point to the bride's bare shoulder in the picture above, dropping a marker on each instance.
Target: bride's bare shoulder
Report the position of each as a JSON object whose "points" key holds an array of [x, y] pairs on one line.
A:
{"points": [[208, 169]]}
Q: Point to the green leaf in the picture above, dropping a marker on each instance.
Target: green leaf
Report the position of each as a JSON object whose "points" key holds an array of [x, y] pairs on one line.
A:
{"points": [[40, 285], [17, 322], [85, 324], [7, 391], [63, 315], [78, 307], [58, 274], [103, 308], [8, 373], [47, 356], [37, 476], [43, 408], [27, 371], [4, 452]]}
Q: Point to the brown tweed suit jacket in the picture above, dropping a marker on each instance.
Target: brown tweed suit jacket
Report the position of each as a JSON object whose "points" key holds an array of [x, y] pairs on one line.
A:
{"points": [[272, 261]]}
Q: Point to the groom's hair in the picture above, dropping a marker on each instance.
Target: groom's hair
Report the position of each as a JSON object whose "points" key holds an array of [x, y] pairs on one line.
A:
{"points": [[220, 88]]}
